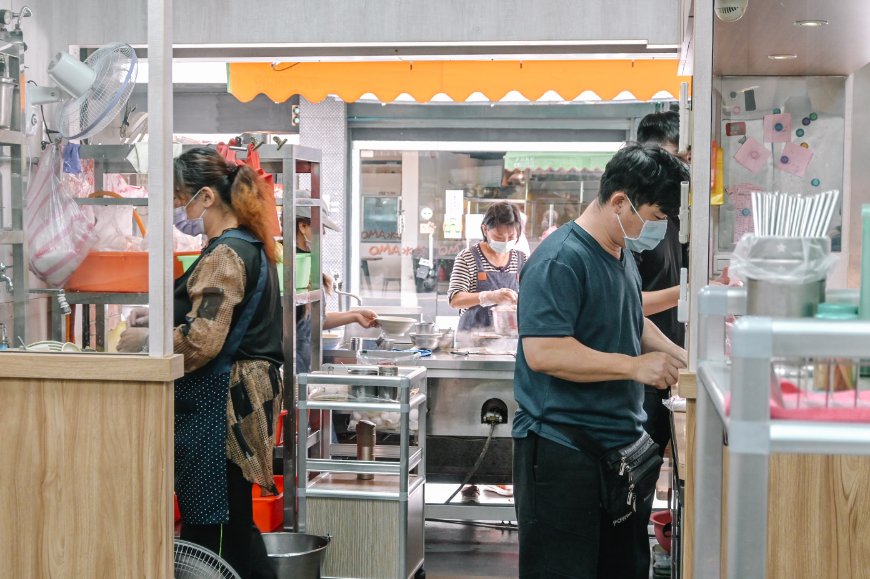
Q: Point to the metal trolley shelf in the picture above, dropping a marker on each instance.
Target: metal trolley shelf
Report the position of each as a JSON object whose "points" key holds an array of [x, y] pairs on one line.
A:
{"points": [[383, 514], [752, 435]]}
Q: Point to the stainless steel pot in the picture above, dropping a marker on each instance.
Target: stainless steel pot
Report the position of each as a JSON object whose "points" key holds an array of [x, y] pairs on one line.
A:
{"points": [[424, 328], [783, 300], [296, 555], [504, 320], [364, 391]]}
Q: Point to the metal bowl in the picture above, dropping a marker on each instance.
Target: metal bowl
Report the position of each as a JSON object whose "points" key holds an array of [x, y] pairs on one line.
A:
{"points": [[424, 328], [425, 341], [445, 342]]}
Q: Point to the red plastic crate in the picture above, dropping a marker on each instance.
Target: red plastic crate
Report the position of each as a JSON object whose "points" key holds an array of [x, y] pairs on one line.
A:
{"points": [[269, 510]]}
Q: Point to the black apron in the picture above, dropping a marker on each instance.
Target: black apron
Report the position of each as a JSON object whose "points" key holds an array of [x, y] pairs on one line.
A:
{"points": [[201, 419], [479, 317]]}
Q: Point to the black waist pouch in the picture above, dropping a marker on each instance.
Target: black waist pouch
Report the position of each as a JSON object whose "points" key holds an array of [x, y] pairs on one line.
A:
{"points": [[627, 474]]}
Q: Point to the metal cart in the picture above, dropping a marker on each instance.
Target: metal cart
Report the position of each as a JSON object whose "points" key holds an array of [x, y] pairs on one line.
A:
{"points": [[751, 433], [376, 525]]}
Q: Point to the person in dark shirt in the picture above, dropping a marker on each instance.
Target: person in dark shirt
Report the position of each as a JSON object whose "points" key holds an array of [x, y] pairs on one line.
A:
{"points": [[585, 352], [660, 276]]}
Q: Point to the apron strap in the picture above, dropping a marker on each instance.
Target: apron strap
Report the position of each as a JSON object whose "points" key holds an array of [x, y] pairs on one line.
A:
{"points": [[224, 360]]}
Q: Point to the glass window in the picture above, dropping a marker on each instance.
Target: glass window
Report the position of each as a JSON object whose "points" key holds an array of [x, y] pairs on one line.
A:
{"points": [[418, 209]]}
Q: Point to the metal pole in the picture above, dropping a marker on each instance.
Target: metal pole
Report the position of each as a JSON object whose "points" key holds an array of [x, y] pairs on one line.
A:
{"points": [[160, 187], [702, 113], [290, 423]]}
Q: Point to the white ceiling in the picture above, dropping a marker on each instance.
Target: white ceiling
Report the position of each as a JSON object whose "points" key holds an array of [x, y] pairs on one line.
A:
{"points": [[840, 48]]}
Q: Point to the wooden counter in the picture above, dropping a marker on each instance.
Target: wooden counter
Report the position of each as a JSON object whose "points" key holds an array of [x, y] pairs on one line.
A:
{"points": [[87, 461]]}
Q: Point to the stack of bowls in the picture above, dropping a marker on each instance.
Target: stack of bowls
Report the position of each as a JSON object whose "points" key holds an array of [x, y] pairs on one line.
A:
{"points": [[425, 336]]}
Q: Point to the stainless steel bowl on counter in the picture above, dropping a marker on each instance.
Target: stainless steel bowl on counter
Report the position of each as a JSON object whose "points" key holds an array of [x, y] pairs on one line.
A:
{"points": [[424, 328], [425, 341]]}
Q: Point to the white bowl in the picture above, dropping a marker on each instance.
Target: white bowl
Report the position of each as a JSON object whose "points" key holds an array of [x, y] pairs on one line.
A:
{"points": [[395, 325]]}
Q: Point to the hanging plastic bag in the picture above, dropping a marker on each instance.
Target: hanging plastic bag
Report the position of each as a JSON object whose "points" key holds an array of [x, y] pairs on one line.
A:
{"points": [[784, 260], [59, 235]]}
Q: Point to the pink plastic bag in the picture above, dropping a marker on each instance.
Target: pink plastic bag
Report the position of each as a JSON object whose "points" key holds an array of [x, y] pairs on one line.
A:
{"points": [[59, 235]]}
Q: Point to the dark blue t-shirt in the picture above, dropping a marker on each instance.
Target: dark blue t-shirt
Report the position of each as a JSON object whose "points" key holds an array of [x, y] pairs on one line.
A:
{"points": [[572, 287]]}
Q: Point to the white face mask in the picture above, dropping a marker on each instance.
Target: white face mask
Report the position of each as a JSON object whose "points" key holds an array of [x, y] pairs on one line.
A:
{"points": [[502, 247], [651, 233]]}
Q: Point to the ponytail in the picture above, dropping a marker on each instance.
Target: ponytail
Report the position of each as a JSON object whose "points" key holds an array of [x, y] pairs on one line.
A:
{"points": [[239, 187], [248, 193]]}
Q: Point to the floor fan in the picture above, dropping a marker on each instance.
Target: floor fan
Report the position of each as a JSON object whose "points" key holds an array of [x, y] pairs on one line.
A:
{"points": [[195, 562]]}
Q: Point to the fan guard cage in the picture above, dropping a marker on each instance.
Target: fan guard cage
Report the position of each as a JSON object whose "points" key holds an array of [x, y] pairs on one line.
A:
{"points": [[195, 562], [115, 67]]}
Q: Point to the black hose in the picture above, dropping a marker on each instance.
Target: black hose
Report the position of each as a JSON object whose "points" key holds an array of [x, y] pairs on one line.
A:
{"points": [[477, 464]]}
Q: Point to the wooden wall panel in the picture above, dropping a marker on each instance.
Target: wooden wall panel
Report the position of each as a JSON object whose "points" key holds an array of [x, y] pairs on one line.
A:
{"points": [[819, 524], [86, 478]]}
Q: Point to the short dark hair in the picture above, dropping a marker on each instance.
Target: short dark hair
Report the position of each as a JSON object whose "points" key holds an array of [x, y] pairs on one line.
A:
{"points": [[502, 213], [648, 174], [660, 128]]}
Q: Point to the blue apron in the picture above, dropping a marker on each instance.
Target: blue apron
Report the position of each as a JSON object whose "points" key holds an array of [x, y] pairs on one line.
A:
{"points": [[201, 419], [303, 344], [478, 317]]}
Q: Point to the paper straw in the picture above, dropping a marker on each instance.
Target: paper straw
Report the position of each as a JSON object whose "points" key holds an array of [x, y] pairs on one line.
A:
{"points": [[755, 210], [829, 213]]}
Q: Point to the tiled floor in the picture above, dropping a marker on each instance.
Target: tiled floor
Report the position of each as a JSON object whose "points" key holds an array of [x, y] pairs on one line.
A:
{"points": [[465, 551], [456, 550]]}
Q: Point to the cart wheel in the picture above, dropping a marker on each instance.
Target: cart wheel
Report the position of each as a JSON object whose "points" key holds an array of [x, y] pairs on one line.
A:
{"points": [[420, 574]]}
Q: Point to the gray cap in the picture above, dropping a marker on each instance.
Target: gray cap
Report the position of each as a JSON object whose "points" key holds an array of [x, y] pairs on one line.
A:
{"points": [[306, 211]]}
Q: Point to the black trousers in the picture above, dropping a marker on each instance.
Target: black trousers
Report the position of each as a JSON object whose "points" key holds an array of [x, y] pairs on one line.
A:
{"points": [[563, 531], [658, 418], [239, 541]]}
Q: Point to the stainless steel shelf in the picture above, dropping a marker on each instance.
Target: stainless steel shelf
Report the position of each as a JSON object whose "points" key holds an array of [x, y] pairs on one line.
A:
{"points": [[363, 466], [361, 406], [8, 137], [314, 491], [785, 436], [11, 237], [127, 299], [308, 297], [137, 201]]}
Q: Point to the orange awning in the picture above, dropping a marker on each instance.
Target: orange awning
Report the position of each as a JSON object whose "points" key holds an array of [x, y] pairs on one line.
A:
{"points": [[456, 79]]}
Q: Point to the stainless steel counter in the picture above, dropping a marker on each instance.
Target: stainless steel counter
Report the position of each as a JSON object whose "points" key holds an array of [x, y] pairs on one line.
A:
{"points": [[444, 363], [461, 389]]}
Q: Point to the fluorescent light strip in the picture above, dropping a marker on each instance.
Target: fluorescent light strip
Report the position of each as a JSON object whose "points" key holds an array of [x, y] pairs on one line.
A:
{"points": [[810, 23]]}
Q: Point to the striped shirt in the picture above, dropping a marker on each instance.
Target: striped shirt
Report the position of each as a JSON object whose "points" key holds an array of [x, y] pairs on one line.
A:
{"points": [[464, 275]]}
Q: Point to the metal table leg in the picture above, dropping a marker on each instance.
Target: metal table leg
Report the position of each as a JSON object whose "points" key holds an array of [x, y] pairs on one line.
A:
{"points": [[101, 327], [747, 517], [708, 488]]}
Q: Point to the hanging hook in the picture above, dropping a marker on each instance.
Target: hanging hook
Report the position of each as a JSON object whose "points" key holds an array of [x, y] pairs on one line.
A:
{"points": [[278, 141]]}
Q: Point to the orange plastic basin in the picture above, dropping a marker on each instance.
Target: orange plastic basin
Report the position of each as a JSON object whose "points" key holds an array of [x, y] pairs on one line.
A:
{"points": [[115, 271]]}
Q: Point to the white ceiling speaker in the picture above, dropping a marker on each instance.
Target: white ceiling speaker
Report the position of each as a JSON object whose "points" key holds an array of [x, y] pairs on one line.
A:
{"points": [[730, 10]]}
